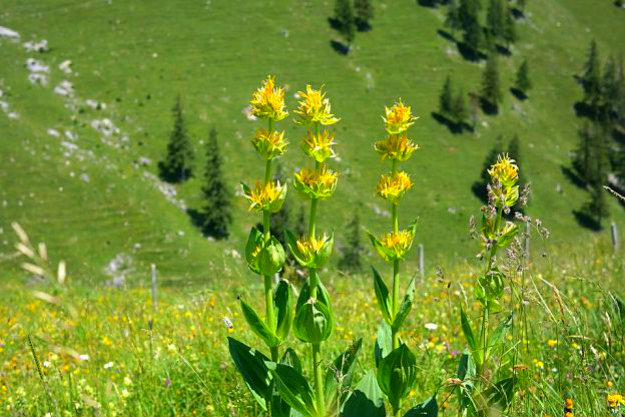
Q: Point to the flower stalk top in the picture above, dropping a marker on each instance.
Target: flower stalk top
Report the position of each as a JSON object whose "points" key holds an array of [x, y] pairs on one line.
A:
{"points": [[503, 190], [398, 118], [314, 108], [268, 101]]}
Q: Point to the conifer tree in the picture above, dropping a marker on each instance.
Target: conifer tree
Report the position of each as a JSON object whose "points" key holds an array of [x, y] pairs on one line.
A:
{"points": [[495, 20], [446, 99], [459, 108], [468, 14], [509, 28], [177, 166], [217, 211], [591, 79], [344, 16], [582, 155], [479, 187], [350, 260], [523, 83], [452, 19], [363, 11], [610, 91], [597, 205], [491, 88]]}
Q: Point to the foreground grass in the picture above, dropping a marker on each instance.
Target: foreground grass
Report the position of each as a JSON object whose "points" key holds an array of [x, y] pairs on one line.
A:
{"points": [[120, 356]]}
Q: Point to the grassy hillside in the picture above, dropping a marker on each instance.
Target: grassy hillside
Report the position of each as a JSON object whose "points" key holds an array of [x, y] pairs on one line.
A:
{"points": [[96, 202]]}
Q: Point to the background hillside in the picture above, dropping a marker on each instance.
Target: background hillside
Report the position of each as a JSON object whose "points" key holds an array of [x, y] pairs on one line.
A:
{"points": [[93, 196]]}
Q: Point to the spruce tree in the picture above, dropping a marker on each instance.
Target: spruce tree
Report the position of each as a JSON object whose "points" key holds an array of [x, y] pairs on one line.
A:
{"points": [[344, 16], [491, 88], [459, 108], [363, 11], [597, 205], [177, 166], [610, 91], [523, 83], [591, 79], [582, 156], [468, 14], [350, 260], [495, 20], [217, 211], [446, 99], [509, 28], [452, 19]]}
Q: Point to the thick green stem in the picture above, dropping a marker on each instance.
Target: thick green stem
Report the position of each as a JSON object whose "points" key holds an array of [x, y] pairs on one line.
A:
{"points": [[312, 220], [270, 317], [321, 404], [395, 305]]}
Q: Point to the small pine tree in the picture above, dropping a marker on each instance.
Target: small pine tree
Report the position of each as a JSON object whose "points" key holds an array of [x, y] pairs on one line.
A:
{"points": [[591, 79], [452, 19], [177, 166], [468, 14], [491, 88], [509, 28], [597, 206], [344, 16], [217, 213], [495, 20], [363, 11], [350, 259], [446, 99], [523, 82], [459, 108], [582, 155], [610, 91]]}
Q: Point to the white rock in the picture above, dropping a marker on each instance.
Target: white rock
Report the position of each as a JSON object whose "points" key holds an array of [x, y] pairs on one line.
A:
{"points": [[8, 33], [35, 65], [33, 46], [36, 78], [66, 66], [54, 133]]}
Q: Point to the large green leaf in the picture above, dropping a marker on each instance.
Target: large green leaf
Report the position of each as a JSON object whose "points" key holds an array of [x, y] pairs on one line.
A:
{"points": [[293, 388], [428, 408], [397, 374], [290, 358], [366, 400], [468, 334], [283, 306], [501, 393], [258, 326], [496, 338], [381, 293], [251, 365], [405, 307], [313, 322], [339, 375], [383, 342], [467, 373]]}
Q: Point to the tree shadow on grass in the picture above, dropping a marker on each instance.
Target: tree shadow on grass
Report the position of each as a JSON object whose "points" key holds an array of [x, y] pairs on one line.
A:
{"points": [[573, 177], [363, 26], [339, 47], [517, 13], [446, 35], [479, 190], [584, 220], [334, 23], [520, 95], [491, 109], [502, 50], [470, 54], [198, 219], [428, 3], [455, 128], [583, 109]]}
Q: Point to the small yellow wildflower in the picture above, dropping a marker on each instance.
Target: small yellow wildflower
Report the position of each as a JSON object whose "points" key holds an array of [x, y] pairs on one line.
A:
{"points": [[269, 196], [398, 242], [312, 252], [319, 184], [392, 187], [398, 118], [615, 400], [397, 147], [568, 404], [314, 108], [269, 145], [505, 171], [552, 343], [268, 101], [319, 146]]}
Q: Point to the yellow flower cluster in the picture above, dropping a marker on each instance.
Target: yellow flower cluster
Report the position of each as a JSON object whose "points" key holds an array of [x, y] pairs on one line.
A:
{"points": [[615, 400], [268, 101], [269, 196], [314, 108], [398, 118], [392, 187], [316, 183], [268, 144], [399, 242], [504, 175], [397, 147], [319, 145]]}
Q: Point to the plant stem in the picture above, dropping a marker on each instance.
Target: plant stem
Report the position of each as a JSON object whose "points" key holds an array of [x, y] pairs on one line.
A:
{"points": [[395, 299], [321, 405], [312, 220]]}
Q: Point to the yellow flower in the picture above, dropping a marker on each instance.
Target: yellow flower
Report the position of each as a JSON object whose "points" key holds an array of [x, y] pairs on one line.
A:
{"points": [[314, 108], [397, 147], [398, 118], [269, 145], [312, 252], [319, 146], [268, 102], [615, 400], [269, 196], [552, 343], [505, 171], [568, 403], [392, 187], [398, 242], [313, 183]]}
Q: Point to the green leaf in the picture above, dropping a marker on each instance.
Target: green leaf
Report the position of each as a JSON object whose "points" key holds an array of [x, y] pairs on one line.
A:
{"points": [[339, 374], [381, 293], [501, 393], [405, 307], [290, 358], [293, 388], [385, 253], [322, 296], [366, 400], [291, 243], [258, 326], [496, 338], [467, 373], [428, 408], [251, 365], [254, 240], [271, 257], [397, 374], [313, 322], [283, 307], [383, 342], [468, 332], [279, 407]]}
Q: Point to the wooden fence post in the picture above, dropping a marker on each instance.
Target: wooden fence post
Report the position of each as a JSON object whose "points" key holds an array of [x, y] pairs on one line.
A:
{"points": [[154, 300]]}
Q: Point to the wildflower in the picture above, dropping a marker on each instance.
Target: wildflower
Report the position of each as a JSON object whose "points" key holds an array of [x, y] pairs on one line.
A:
{"points": [[398, 118], [316, 183], [313, 252], [431, 326], [394, 246], [319, 145], [269, 145], [505, 170], [314, 108], [615, 400], [268, 102], [269, 196], [397, 147], [552, 343], [125, 393], [108, 365], [392, 187]]}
